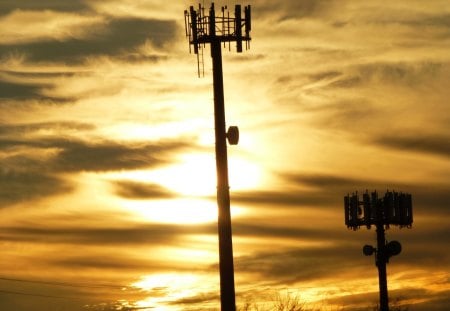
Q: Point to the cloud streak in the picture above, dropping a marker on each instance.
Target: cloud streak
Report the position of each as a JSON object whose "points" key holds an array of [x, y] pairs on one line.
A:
{"points": [[118, 37], [32, 167], [416, 142]]}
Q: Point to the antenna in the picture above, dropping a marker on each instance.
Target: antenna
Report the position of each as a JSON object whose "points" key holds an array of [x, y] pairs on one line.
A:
{"points": [[395, 208], [202, 29]]}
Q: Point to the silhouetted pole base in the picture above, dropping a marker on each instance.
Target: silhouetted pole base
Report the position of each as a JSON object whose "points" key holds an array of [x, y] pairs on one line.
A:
{"points": [[381, 265]]}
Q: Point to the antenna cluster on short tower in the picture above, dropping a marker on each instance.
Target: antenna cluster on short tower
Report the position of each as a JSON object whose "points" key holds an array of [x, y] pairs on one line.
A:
{"points": [[202, 28], [395, 208]]}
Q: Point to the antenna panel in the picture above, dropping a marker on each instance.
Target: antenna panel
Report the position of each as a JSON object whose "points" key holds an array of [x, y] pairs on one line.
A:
{"points": [[238, 27]]}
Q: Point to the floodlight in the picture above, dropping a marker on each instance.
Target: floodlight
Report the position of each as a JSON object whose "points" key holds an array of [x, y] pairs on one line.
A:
{"points": [[393, 248], [368, 250]]}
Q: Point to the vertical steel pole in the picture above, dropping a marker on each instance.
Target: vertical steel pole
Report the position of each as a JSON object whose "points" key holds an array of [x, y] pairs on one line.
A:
{"points": [[227, 291], [381, 264]]}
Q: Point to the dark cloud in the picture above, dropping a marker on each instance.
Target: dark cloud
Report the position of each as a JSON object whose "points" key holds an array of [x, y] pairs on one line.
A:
{"points": [[108, 156], [154, 234], [108, 262], [24, 178], [324, 75], [16, 186], [7, 6], [288, 266], [28, 174], [395, 73], [136, 190], [280, 198], [37, 75], [348, 115], [417, 142], [262, 230], [438, 20], [15, 130], [63, 294], [327, 191], [347, 82], [432, 196], [120, 37], [27, 91], [387, 74], [292, 9], [19, 91], [77, 155], [203, 298], [18, 85]]}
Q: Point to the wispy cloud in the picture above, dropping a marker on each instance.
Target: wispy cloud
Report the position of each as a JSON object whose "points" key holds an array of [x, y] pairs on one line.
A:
{"points": [[31, 166], [16, 186], [417, 142], [8, 6], [154, 234], [23, 89], [117, 37], [135, 190]]}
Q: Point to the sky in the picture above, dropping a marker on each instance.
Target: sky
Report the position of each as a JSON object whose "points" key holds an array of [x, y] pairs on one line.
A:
{"points": [[107, 172]]}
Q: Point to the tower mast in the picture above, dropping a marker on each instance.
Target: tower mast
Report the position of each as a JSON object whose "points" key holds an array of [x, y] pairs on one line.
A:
{"points": [[210, 29]]}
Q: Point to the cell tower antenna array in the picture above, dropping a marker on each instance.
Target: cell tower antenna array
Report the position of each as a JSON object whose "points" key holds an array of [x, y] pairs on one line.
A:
{"points": [[203, 29], [393, 209]]}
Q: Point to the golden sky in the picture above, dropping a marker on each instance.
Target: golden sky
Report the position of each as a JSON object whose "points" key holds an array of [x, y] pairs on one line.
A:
{"points": [[107, 174]]}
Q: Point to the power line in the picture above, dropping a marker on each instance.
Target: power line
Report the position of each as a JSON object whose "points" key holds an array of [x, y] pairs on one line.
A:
{"points": [[63, 297], [67, 284], [34, 295]]}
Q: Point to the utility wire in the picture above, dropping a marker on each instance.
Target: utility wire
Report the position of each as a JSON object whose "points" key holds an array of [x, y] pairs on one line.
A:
{"points": [[34, 295], [67, 284], [63, 297]]}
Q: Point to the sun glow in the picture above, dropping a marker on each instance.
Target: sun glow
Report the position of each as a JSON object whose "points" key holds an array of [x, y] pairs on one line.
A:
{"points": [[195, 175], [192, 182], [165, 288], [175, 211], [188, 211]]}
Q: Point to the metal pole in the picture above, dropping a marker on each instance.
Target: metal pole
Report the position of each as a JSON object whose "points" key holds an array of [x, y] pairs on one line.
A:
{"points": [[381, 264], [227, 292]]}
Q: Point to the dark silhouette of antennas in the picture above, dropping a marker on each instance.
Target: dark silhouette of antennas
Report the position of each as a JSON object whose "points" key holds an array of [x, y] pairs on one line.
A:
{"points": [[203, 29], [393, 209]]}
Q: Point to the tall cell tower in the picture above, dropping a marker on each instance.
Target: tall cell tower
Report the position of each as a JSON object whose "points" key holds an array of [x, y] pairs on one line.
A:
{"points": [[393, 209], [203, 29]]}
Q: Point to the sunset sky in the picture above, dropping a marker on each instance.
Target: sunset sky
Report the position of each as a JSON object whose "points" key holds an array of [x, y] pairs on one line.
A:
{"points": [[107, 165]]}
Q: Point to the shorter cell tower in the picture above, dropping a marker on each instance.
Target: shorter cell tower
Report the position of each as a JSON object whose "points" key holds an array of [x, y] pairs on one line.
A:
{"points": [[393, 209]]}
